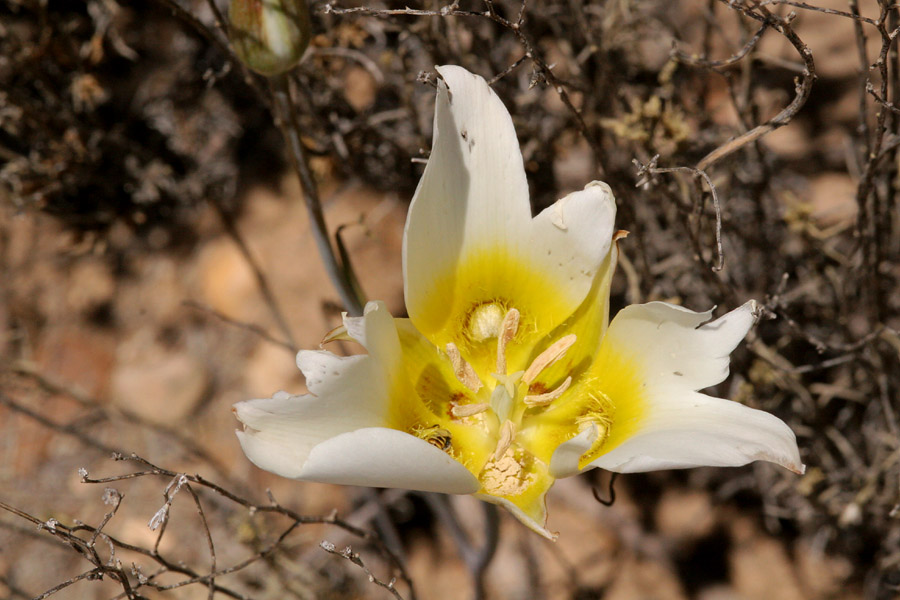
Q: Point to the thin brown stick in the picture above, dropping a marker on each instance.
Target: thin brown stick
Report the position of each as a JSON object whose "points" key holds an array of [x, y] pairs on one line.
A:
{"points": [[507, 70], [862, 55], [59, 427], [828, 11], [91, 574], [253, 328], [543, 71], [735, 58], [69, 534], [286, 118], [112, 413], [209, 541], [646, 173], [273, 507], [354, 558], [803, 88]]}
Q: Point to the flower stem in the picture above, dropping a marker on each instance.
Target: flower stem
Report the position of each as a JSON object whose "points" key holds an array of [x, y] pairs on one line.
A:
{"points": [[286, 118], [476, 559]]}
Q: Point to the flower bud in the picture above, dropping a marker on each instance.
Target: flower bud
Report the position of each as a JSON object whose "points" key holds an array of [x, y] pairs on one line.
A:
{"points": [[269, 36]]}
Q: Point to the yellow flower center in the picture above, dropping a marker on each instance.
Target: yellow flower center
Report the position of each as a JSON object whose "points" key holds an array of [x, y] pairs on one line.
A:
{"points": [[506, 424]]}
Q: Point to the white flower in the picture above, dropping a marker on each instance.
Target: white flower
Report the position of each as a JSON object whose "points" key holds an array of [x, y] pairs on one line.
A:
{"points": [[506, 376]]}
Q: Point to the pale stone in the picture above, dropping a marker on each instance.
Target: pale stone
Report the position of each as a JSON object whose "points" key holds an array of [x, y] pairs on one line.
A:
{"points": [[832, 198], [755, 554], [359, 88], [90, 285], [158, 384], [226, 281], [684, 515]]}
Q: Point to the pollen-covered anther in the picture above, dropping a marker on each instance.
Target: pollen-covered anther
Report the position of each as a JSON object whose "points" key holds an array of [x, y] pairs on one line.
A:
{"points": [[548, 357], [463, 370], [507, 434], [504, 476], [548, 397], [508, 329], [469, 410], [485, 321]]}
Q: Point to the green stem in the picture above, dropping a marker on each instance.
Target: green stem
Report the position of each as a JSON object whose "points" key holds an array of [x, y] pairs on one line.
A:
{"points": [[286, 117]]}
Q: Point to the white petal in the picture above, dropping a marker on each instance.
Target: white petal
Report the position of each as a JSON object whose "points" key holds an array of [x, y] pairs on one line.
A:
{"points": [[565, 459], [672, 346], [375, 322], [690, 429], [571, 238], [377, 333], [337, 433], [358, 382], [473, 192], [280, 432], [346, 394], [380, 457], [291, 444]]}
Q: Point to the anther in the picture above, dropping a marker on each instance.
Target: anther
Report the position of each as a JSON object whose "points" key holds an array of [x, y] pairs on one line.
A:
{"points": [[507, 433], [547, 398], [463, 370], [468, 410], [485, 322], [338, 333], [508, 329], [548, 357]]}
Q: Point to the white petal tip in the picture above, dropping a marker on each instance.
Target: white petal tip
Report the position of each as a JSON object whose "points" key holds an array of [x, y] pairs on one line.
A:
{"points": [[788, 458], [756, 310], [604, 187]]}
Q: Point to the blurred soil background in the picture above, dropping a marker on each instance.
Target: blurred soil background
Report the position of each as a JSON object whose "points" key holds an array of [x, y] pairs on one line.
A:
{"points": [[146, 203]]}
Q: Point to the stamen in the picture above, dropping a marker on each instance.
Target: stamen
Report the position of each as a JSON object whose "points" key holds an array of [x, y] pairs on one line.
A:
{"points": [[507, 433], [548, 357], [468, 410], [508, 330], [547, 398], [338, 333], [463, 370]]}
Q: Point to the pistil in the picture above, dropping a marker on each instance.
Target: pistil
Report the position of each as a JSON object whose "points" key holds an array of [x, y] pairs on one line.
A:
{"points": [[502, 402]]}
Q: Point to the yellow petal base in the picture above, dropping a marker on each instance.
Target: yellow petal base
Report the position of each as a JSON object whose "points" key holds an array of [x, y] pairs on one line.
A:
{"points": [[499, 387]]}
